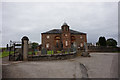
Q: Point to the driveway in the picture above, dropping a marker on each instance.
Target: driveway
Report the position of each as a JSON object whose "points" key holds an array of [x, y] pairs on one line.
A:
{"points": [[99, 65]]}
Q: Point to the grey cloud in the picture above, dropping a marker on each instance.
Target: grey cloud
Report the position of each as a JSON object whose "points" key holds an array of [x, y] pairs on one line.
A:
{"points": [[32, 19]]}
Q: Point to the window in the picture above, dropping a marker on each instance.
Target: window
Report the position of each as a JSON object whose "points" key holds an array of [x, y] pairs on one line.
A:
{"points": [[66, 28], [57, 38], [48, 37], [47, 45], [81, 37], [65, 34], [66, 43], [81, 45], [56, 41]]}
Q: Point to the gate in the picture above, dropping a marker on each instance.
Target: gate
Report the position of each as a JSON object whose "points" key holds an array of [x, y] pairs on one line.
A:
{"points": [[18, 51], [15, 51]]}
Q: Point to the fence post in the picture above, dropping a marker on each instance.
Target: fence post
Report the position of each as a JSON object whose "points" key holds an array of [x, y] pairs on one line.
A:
{"points": [[25, 48]]}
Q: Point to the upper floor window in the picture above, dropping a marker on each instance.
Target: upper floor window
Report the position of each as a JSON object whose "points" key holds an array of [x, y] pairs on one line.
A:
{"points": [[56, 41], [48, 36], [57, 38], [66, 35], [72, 37], [81, 37], [66, 28]]}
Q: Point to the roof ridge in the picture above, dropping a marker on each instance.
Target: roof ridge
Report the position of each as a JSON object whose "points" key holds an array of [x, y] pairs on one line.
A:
{"points": [[58, 31]]}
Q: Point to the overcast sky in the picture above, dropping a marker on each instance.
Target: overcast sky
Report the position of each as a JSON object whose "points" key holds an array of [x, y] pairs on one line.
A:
{"points": [[31, 19]]}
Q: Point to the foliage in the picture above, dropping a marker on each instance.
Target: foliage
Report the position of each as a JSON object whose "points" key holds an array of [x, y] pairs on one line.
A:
{"points": [[34, 45], [111, 42], [102, 41], [97, 43]]}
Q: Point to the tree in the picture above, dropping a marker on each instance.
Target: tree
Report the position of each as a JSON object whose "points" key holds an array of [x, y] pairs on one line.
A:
{"points": [[111, 42], [97, 44], [102, 41], [34, 45]]}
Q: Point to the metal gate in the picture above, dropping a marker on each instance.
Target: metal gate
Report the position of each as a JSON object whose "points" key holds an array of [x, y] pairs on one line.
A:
{"points": [[15, 51]]}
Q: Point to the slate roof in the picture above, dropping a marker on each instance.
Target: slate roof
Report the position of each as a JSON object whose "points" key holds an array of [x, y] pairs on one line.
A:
{"points": [[59, 31]]}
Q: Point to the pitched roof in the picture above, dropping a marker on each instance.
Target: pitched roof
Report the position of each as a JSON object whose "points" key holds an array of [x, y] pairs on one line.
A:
{"points": [[59, 31]]}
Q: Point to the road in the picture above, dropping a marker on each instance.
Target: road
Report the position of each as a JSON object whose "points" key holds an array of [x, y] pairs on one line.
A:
{"points": [[99, 65]]}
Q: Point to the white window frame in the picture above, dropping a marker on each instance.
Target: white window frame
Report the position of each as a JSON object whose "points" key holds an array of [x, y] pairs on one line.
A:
{"points": [[47, 45], [66, 43], [66, 35], [81, 37], [81, 44], [48, 36]]}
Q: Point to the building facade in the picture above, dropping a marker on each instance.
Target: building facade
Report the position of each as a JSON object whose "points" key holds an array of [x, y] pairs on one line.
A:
{"points": [[63, 38]]}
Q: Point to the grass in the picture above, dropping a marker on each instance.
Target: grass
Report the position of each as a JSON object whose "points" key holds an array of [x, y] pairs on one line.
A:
{"points": [[50, 52], [5, 53], [29, 53]]}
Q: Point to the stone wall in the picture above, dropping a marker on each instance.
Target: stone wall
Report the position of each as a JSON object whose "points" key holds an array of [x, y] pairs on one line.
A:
{"points": [[52, 57], [102, 49]]}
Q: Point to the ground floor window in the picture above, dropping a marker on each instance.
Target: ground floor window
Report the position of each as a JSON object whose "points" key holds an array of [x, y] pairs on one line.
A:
{"points": [[81, 44], [66, 43], [47, 45]]}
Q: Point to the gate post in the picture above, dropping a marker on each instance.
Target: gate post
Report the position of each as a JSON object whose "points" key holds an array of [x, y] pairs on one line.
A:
{"points": [[25, 48]]}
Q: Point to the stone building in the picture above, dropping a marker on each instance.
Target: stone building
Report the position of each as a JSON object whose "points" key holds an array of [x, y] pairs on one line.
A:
{"points": [[63, 38]]}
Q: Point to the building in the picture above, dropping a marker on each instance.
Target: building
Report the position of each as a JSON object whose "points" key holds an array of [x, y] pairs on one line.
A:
{"points": [[63, 38]]}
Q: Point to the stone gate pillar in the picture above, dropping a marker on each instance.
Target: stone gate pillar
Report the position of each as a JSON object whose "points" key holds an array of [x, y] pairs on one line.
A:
{"points": [[25, 48]]}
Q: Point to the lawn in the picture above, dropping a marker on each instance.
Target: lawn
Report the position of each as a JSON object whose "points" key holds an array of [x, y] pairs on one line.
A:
{"points": [[30, 52], [51, 52], [5, 53], [48, 52]]}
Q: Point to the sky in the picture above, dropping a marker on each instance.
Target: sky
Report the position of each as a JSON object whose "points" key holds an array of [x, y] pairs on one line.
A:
{"points": [[32, 18]]}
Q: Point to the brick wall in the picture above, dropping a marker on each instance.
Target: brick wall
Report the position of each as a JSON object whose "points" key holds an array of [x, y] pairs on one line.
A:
{"points": [[79, 39], [51, 40]]}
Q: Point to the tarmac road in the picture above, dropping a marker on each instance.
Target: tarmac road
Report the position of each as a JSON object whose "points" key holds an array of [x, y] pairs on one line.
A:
{"points": [[99, 65]]}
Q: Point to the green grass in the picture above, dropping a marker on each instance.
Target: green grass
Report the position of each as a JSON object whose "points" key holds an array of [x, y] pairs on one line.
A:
{"points": [[5, 53], [29, 53], [50, 52], [59, 52]]}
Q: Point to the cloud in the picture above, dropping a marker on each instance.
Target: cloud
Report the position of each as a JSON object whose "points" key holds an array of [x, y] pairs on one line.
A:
{"points": [[31, 19]]}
